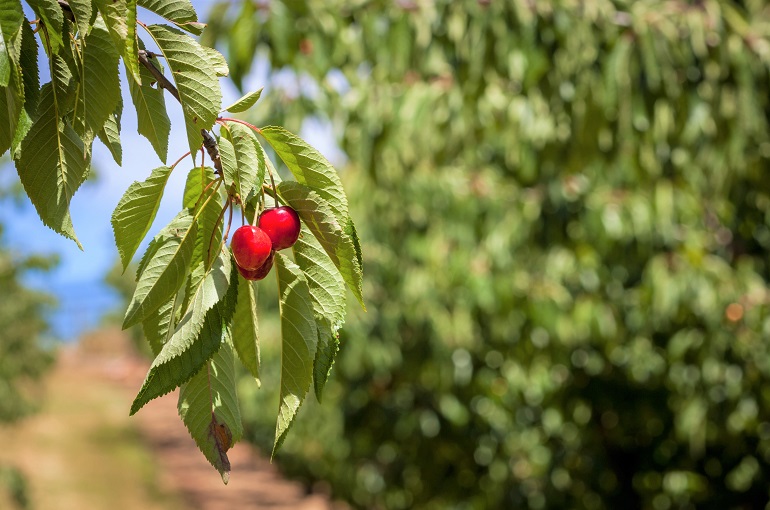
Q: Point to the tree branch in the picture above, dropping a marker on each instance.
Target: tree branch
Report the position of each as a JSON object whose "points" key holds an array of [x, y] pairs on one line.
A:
{"points": [[209, 142]]}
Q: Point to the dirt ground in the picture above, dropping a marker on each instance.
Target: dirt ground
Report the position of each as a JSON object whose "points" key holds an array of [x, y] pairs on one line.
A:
{"points": [[83, 452]]}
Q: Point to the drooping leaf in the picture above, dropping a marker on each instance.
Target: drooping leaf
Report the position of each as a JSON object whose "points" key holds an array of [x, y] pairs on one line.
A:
{"points": [[240, 160], [317, 214], [159, 325], [82, 10], [26, 57], [298, 343], [165, 272], [136, 211], [120, 17], [208, 406], [5, 63], [11, 107], [327, 288], [52, 166], [52, 18], [327, 291], [195, 78], [196, 337], [11, 18], [100, 85], [208, 206], [179, 12], [244, 103], [325, 354], [309, 167], [110, 135], [152, 119], [197, 180], [246, 327]]}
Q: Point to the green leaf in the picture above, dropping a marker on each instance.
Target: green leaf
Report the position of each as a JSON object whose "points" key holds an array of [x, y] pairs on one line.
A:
{"points": [[165, 272], [179, 12], [11, 18], [244, 103], [326, 353], [246, 327], [120, 17], [310, 168], [217, 60], [136, 211], [317, 214], [52, 17], [83, 12], [197, 180], [298, 344], [5, 63], [208, 406], [197, 336], [18, 102], [159, 325], [11, 108], [195, 78], [152, 118], [241, 161], [327, 291], [100, 88], [52, 166], [327, 288], [110, 137]]}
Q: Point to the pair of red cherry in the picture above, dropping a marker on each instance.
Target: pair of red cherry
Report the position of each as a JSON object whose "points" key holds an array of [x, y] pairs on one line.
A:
{"points": [[254, 247]]}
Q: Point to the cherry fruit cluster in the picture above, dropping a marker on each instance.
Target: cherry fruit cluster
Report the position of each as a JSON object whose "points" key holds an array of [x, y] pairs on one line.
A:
{"points": [[254, 247]]}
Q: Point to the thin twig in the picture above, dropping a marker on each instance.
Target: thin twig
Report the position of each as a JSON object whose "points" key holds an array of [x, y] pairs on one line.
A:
{"points": [[209, 142]]}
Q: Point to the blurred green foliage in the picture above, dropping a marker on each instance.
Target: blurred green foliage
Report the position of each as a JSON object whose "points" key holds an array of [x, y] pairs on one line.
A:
{"points": [[24, 357], [565, 214]]}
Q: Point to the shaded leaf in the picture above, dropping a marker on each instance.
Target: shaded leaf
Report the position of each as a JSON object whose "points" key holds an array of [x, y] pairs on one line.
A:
{"points": [[52, 166], [120, 17], [110, 137], [317, 215], [242, 163], [196, 337], [327, 291], [246, 327], [159, 325], [208, 406], [100, 85], [195, 77], [298, 343], [52, 17], [83, 12], [152, 119], [11, 18], [165, 272]]}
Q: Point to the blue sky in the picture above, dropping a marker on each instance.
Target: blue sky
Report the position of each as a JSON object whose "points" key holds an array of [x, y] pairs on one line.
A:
{"points": [[77, 281]]}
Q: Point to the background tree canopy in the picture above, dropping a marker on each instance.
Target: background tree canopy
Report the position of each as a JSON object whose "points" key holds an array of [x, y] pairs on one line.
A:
{"points": [[566, 214]]}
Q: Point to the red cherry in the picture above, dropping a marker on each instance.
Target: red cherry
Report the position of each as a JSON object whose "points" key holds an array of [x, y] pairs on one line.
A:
{"points": [[282, 225], [251, 247], [261, 272]]}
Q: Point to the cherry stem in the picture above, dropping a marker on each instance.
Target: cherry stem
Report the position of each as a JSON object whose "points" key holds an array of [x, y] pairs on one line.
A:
{"points": [[214, 231], [180, 159], [239, 121], [275, 193], [216, 188]]}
